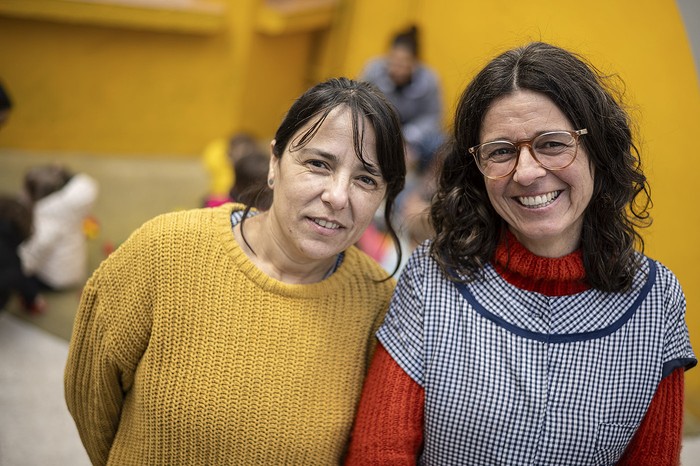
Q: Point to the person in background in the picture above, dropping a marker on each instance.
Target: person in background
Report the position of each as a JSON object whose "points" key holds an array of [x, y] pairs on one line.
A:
{"points": [[56, 254], [232, 335], [532, 329], [5, 105], [220, 158], [250, 172], [16, 227], [414, 89], [413, 220]]}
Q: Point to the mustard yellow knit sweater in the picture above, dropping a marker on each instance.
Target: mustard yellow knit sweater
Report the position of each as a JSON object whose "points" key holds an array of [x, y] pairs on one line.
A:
{"points": [[183, 352]]}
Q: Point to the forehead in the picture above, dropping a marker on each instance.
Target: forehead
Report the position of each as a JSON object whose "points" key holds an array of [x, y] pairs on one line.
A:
{"points": [[523, 112], [400, 54], [336, 135]]}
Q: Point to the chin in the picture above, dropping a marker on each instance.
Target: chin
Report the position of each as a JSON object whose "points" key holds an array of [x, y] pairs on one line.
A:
{"points": [[322, 252]]}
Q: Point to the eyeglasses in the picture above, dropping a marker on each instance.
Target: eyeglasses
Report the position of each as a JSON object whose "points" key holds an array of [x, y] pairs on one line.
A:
{"points": [[553, 150]]}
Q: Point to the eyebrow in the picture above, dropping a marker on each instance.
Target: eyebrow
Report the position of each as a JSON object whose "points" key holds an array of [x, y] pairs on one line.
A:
{"points": [[321, 153]]}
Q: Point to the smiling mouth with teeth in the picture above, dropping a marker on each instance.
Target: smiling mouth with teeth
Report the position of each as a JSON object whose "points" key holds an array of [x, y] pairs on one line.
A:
{"points": [[542, 200], [325, 224]]}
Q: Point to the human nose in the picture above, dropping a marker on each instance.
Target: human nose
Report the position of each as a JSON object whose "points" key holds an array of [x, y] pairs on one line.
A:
{"points": [[335, 193], [527, 168]]}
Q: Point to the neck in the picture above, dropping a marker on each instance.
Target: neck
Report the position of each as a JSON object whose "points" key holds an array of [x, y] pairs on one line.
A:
{"points": [[267, 254], [549, 247], [550, 276]]}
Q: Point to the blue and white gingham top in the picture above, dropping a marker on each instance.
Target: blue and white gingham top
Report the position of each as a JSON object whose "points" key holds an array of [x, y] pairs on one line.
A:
{"points": [[517, 377]]}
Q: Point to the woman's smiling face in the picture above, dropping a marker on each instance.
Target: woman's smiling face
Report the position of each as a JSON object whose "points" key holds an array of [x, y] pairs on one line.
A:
{"points": [[543, 208], [324, 197]]}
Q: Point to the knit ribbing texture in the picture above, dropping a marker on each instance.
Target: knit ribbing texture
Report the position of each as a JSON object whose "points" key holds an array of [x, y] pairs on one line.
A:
{"points": [[184, 352]]}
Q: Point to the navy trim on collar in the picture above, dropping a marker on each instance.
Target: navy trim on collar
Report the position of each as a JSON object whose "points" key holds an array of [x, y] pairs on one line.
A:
{"points": [[567, 337]]}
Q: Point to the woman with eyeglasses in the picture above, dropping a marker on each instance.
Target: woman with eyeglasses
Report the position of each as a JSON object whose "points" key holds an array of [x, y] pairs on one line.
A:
{"points": [[532, 329]]}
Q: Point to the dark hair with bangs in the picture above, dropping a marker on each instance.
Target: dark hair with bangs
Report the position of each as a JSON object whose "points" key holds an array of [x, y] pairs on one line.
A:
{"points": [[368, 106], [468, 228]]}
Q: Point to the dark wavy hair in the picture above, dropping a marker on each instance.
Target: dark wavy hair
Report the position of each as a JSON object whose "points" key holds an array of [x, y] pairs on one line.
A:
{"points": [[468, 228], [367, 104]]}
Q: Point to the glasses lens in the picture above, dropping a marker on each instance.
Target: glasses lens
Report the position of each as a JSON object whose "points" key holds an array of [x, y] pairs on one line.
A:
{"points": [[497, 158], [556, 149]]}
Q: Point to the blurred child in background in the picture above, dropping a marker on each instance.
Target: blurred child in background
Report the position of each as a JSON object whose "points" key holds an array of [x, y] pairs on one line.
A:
{"points": [[219, 160], [56, 254], [251, 174], [16, 227], [5, 105]]}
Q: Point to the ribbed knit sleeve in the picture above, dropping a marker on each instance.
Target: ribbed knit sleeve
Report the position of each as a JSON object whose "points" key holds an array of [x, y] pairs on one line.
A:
{"points": [[658, 440], [110, 334], [388, 430]]}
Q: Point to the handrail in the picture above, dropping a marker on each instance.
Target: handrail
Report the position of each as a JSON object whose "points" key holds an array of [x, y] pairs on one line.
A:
{"points": [[187, 16], [275, 17]]}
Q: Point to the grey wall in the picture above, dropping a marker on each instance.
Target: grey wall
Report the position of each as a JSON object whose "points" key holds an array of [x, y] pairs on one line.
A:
{"points": [[690, 9]]}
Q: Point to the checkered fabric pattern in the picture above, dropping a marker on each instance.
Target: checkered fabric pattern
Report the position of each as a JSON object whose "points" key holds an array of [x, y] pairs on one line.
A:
{"points": [[516, 377]]}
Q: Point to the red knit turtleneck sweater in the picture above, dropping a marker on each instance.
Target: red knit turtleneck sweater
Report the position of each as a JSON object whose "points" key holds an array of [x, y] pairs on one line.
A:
{"points": [[389, 425]]}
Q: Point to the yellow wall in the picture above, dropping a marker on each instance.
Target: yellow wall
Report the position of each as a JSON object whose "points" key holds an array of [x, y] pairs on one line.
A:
{"points": [[115, 84], [100, 89]]}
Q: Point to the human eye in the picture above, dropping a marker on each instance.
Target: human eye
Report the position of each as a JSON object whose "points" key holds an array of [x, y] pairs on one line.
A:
{"points": [[497, 152], [367, 181], [316, 164], [553, 143]]}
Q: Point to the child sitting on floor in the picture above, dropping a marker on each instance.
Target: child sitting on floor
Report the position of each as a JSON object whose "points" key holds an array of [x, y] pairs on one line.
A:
{"points": [[16, 227]]}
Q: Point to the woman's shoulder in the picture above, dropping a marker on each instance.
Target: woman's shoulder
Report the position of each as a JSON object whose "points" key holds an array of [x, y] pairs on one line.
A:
{"points": [[181, 229], [360, 266], [421, 258], [172, 237], [165, 225], [190, 220], [662, 275]]}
